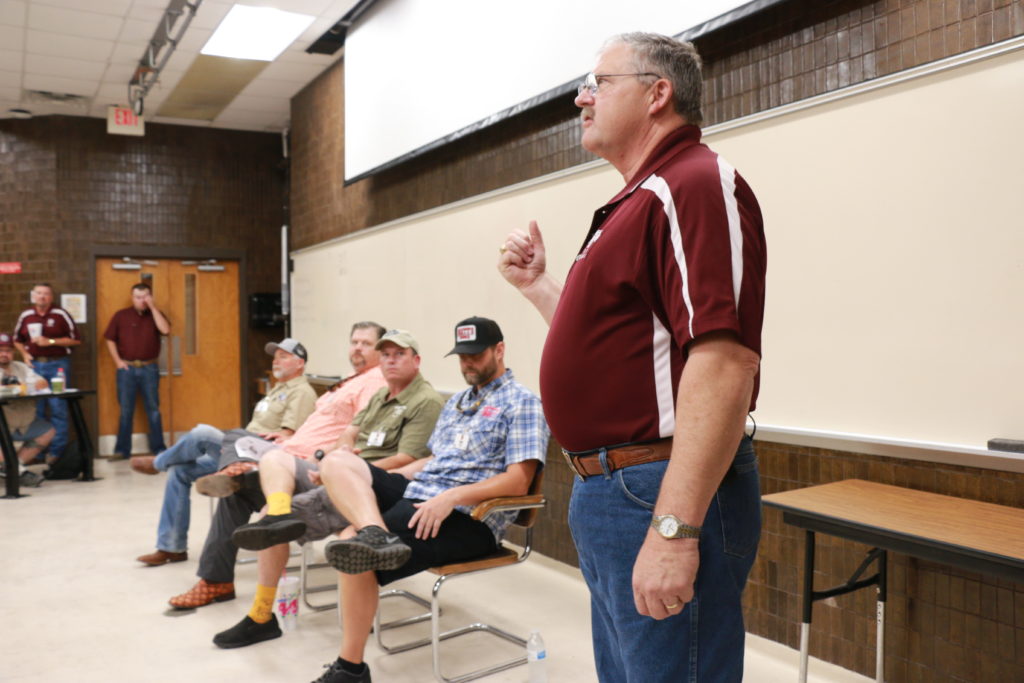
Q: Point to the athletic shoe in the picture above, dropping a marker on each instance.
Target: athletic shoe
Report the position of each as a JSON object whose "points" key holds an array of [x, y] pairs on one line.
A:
{"points": [[371, 549], [269, 531], [335, 674], [30, 478], [247, 632]]}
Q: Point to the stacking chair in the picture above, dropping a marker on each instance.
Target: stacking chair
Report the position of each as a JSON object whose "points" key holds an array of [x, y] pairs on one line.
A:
{"points": [[506, 555]]}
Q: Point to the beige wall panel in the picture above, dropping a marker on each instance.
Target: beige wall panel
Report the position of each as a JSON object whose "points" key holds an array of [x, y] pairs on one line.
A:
{"points": [[896, 262]]}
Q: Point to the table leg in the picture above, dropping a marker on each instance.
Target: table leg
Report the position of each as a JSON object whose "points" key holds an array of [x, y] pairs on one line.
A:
{"points": [[805, 625], [82, 433], [11, 484], [880, 618]]}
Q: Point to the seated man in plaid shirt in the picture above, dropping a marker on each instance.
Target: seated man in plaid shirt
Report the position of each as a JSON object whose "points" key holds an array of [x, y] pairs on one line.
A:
{"points": [[488, 442]]}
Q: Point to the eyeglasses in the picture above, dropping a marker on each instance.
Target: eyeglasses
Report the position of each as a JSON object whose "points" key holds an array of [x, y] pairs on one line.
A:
{"points": [[592, 82]]}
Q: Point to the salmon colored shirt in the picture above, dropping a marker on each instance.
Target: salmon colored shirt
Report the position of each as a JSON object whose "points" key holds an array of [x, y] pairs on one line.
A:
{"points": [[333, 415]]}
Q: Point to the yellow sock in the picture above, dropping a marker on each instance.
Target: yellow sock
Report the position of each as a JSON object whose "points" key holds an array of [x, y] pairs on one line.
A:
{"points": [[263, 604], [279, 503]]}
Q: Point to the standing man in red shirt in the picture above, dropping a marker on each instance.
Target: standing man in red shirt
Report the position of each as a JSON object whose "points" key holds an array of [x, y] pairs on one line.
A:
{"points": [[133, 340], [45, 335], [649, 369]]}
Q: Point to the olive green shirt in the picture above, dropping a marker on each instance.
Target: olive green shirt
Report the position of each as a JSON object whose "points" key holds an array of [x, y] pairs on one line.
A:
{"points": [[286, 407], [402, 424]]}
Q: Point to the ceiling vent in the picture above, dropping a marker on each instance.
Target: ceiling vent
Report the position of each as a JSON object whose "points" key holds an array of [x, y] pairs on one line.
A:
{"points": [[62, 98]]}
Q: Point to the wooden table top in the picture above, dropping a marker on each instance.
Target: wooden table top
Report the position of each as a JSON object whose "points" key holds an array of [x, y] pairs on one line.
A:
{"points": [[985, 527]]}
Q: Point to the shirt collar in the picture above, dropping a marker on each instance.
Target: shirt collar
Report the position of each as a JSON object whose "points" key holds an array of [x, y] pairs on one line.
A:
{"points": [[404, 394], [681, 138]]}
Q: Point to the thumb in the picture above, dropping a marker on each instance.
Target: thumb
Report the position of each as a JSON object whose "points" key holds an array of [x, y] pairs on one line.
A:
{"points": [[535, 236]]}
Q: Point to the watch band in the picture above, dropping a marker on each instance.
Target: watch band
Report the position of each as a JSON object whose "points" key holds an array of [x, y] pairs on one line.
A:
{"points": [[670, 527]]}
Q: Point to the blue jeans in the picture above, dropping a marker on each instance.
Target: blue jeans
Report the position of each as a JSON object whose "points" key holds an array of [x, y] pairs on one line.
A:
{"points": [[58, 407], [195, 455], [609, 516], [130, 382]]}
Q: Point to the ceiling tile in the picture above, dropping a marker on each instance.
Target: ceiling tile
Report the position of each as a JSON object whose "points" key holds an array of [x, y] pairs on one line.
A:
{"points": [[10, 79], [13, 12], [118, 73], [73, 22], [152, 13], [292, 71], [269, 105], [116, 8], [210, 14], [126, 53], [11, 60], [59, 84], [268, 87], [12, 38], [138, 31], [8, 94], [63, 67], [59, 45], [195, 38]]}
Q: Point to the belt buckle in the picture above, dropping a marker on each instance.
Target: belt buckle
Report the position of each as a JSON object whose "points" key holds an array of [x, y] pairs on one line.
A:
{"points": [[572, 465]]}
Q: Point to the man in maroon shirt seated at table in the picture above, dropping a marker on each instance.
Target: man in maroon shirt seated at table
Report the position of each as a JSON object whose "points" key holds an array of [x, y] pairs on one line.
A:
{"points": [[133, 340]]}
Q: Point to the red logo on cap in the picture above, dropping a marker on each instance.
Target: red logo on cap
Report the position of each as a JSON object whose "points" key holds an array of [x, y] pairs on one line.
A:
{"points": [[465, 333]]}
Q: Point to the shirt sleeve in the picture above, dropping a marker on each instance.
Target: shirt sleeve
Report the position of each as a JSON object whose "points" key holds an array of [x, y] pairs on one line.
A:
{"points": [[111, 331], [301, 403], [418, 426], [696, 254], [528, 433]]}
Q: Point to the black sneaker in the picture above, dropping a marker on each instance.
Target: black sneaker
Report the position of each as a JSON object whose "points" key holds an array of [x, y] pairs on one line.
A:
{"points": [[247, 632], [30, 478], [371, 549], [269, 531], [335, 674]]}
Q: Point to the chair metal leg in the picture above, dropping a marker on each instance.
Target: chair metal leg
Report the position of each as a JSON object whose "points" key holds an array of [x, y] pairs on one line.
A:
{"points": [[305, 565]]}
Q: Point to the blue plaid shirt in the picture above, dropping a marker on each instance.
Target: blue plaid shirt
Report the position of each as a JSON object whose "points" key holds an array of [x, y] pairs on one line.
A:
{"points": [[477, 436]]}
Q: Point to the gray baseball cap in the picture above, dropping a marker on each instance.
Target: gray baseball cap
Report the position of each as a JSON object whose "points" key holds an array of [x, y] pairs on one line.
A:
{"points": [[290, 345]]}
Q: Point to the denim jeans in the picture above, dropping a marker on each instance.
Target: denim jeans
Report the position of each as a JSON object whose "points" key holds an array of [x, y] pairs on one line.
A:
{"points": [[132, 381], [58, 407], [195, 455], [609, 516]]}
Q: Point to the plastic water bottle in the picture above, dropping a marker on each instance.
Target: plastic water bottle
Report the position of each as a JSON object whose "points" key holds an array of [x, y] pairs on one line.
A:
{"points": [[57, 383], [536, 658], [287, 602]]}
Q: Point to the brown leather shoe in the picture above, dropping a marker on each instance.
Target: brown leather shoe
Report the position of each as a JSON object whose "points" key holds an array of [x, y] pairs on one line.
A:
{"points": [[162, 557], [218, 485], [143, 464], [204, 593]]}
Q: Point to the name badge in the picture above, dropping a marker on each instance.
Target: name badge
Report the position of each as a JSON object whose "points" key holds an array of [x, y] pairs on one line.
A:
{"points": [[262, 407], [462, 441], [376, 438]]}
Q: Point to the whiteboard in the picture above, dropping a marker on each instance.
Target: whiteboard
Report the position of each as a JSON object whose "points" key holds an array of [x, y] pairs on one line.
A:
{"points": [[895, 261]]}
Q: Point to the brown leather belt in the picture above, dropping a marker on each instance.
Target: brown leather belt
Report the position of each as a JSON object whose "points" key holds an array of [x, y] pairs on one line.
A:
{"points": [[140, 363], [588, 464]]}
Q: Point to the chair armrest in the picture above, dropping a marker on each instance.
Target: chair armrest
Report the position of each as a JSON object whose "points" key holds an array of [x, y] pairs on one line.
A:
{"points": [[488, 507]]}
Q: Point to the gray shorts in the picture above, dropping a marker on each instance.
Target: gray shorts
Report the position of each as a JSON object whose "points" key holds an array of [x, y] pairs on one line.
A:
{"points": [[315, 508], [36, 428]]}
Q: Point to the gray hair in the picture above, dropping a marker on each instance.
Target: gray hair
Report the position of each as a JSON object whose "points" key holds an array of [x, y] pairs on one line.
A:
{"points": [[675, 60]]}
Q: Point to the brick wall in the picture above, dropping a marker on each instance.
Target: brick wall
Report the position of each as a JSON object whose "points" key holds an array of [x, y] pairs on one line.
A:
{"points": [[66, 187]]}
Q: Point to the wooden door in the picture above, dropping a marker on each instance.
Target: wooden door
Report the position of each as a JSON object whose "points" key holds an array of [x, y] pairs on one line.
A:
{"points": [[200, 360]]}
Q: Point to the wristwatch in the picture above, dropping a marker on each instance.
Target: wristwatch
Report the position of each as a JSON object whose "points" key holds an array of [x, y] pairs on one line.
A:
{"points": [[52, 341], [669, 526]]}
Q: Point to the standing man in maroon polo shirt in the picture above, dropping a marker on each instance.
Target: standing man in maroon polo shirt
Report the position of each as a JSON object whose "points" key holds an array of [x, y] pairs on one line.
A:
{"points": [[649, 369], [45, 335], [133, 340]]}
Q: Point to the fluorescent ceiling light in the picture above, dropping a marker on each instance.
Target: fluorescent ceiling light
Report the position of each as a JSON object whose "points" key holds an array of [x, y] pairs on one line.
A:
{"points": [[260, 33]]}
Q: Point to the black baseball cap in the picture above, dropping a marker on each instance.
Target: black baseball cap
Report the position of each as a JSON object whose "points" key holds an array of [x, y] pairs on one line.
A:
{"points": [[475, 334]]}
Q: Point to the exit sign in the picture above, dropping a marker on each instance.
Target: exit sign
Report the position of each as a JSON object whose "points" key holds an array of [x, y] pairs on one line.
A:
{"points": [[123, 121]]}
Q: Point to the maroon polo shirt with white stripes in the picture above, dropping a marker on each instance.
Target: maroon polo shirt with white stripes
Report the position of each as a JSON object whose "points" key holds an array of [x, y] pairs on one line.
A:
{"points": [[678, 253], [56, 324]]}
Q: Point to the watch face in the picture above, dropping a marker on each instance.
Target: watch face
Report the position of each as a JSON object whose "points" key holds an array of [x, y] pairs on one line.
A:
{"points": [[668, 526]]}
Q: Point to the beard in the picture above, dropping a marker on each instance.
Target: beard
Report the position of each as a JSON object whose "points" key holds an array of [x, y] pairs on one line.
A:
{"points": [[481, 376]]}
